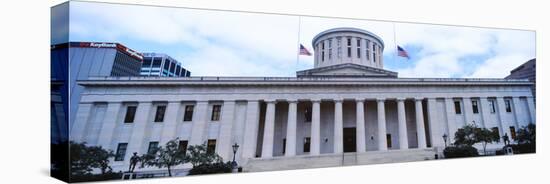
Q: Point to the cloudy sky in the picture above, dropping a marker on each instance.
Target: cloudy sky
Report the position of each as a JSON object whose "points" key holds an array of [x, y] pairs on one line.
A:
{"points": [[219, 43]]}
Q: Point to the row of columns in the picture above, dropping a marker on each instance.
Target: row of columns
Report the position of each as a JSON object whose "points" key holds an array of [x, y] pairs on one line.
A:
{"points": [[252, 118], [268, 136]]}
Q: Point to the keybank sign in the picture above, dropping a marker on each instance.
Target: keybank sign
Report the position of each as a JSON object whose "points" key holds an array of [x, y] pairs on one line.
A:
{"points": [[103, 45]]}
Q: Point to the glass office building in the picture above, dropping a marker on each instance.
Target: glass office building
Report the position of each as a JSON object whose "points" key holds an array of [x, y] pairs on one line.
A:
{"points": [[162, 65]]}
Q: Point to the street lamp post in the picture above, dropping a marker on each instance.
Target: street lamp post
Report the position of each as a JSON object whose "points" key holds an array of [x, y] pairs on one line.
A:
{"points": [[234, 163], [445, 139]]}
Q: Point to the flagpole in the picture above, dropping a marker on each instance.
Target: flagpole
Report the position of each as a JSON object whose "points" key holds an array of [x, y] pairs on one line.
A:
{"points": [[395, 43], [298, 44]]}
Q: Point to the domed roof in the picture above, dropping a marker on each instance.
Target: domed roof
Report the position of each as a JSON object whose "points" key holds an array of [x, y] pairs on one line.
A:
{"points": [[346, 29]]}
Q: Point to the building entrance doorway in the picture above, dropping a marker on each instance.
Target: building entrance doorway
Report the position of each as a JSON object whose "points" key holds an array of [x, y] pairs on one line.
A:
{"points": [[349, 140]]}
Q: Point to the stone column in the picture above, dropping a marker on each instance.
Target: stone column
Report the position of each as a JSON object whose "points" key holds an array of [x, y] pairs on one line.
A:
{"points": [[199, 123], [485, 110], [334, 50], [364, 51], [316, 55], [380, 57], [326, 51], [502, 124], [79, 127], [382, 141], [170, 122], [338, 127], [269, 130], [139, 129], [344, 49], [402, 124], [532, 110], [420, 129], [291, 128], [109, 124], [315, 128], [353, 58], [251, 129], [451, 121], [436, 127], [223, 147], [360, 129], [517, 112], [468, 111]]}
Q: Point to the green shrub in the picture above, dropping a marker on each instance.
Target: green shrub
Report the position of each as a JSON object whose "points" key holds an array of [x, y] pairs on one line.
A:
{"points": [[523, 148], [96, 177], [213, 168], [460, 152]]}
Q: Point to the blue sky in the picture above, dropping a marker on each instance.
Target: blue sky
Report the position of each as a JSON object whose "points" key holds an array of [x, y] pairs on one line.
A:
{"points": [[219, 43]]}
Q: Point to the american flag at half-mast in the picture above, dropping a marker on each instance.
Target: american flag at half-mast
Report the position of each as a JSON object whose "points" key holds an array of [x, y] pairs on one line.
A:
{"points": [[304, 51], [401, 52]]}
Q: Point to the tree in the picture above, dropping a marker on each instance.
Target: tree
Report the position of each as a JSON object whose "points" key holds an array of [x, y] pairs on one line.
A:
{"points": [[485, 136], [466, 135], [198, 155], [470, 134], [83, 159], [168, 156], [527, 134], [205, 162]]}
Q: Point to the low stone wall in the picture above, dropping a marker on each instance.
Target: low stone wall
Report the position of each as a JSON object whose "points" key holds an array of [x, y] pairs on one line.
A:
{"points": [[334, 160]]}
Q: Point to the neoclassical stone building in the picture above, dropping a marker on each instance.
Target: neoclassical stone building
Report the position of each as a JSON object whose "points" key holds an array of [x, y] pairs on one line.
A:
{"points": [[346, 110]]}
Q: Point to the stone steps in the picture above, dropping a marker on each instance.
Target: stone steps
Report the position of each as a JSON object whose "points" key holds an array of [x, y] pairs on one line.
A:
{"points": [[334, 160]]}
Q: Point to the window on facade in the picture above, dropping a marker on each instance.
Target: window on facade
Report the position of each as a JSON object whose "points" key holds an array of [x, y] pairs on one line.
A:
{"points": [[374, 52], [159, 115], [166, 65], [182, 146], [178, 70], [121, 151], [513, 132], [388, 140], [458, 110], [172, 67], [307, 114], [508, 105], [130, 114], [216, 109], [330, 49], [358, 47], [323, 51], [146, 62], [211, 146], [475, 108], [153, 146], [307, 144], [157, 62], [349, 47], [188, 115], [284, 146], [492, 106]]}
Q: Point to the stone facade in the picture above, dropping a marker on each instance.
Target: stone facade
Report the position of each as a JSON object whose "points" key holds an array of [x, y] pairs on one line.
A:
{"points": [[321, 118]]}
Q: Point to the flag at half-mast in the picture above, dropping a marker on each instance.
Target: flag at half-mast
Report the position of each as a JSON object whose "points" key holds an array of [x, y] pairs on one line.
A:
{"points": [[304, 51], [401, 52]]}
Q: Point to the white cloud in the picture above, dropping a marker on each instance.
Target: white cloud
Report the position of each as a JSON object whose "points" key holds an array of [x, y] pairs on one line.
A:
{"points": [[226, 62], [448, 51], [232, 43], [207, 32], [433, 65]]}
